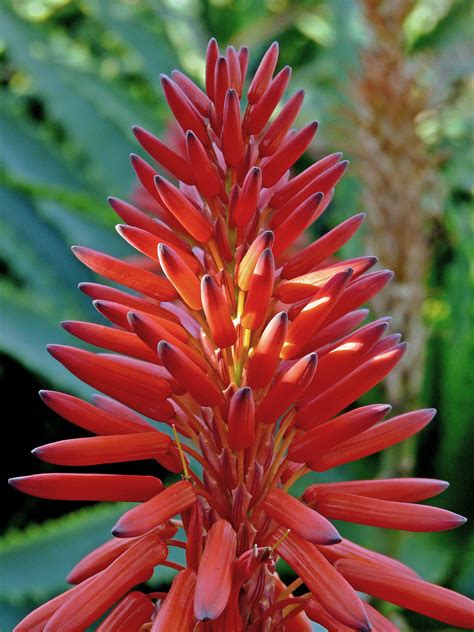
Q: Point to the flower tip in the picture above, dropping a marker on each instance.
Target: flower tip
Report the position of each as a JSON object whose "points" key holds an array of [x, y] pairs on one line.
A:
{"points": [[54, 350], [133, 318], [137, 131], [117, 532], [163, 348], [44, 394], [16, 481], [317, 197]]}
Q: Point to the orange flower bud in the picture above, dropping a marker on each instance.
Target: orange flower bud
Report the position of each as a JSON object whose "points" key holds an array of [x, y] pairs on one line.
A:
{"points": [[126, 274], [287, 390], [181, 276], [260, 291], [265, 357], [190, 218], [241, 419], [190, 376]]}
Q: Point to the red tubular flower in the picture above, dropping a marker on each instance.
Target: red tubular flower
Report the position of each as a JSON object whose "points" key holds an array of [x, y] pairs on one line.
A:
{"points": [[214, 578], [131, 613], [177, 612], [252, 351]]}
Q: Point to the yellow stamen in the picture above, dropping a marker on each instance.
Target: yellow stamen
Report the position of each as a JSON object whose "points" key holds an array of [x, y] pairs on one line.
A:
{"points": [[186, 476], [289, 589], [280, 540]]}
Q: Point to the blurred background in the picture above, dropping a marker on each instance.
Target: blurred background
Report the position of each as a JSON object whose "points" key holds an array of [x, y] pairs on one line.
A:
{"points": [[391, 84]]}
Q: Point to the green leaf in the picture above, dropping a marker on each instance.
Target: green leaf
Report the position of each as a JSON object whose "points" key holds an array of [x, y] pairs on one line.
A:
{"points": [[36, 252], [79, 230], [140, 31], [91, 122], [464, 580], [35, 562], [24, 334], [455, 24], [26, 156]]}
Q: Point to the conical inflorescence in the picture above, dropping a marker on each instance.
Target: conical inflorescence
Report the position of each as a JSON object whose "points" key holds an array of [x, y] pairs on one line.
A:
{"points": [[251, 348]]}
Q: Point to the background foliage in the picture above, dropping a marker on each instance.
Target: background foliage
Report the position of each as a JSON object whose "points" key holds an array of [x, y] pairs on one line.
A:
{"points": [[74, 76]]}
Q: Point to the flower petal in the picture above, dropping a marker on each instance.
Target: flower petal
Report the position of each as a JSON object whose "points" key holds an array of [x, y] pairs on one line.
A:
{"points": [[171, 501], [126, 274], [314, 254], [287, 390], [399, 489], [110, 338], [176, 613], [411, 593], [214, 579], [334, 593], [216, 310], [139, 386], [374, 439], [241, 419], [278, 129], [162, 153], [104, 555], [104, 487], [347, 390], [317, 441], [293, 514], [89, 601], [100, 450], [263, 74], [131, 613], [232, 141], [190, 376], [386, 513], [193, 221], [92, 418], [265, 356]]}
